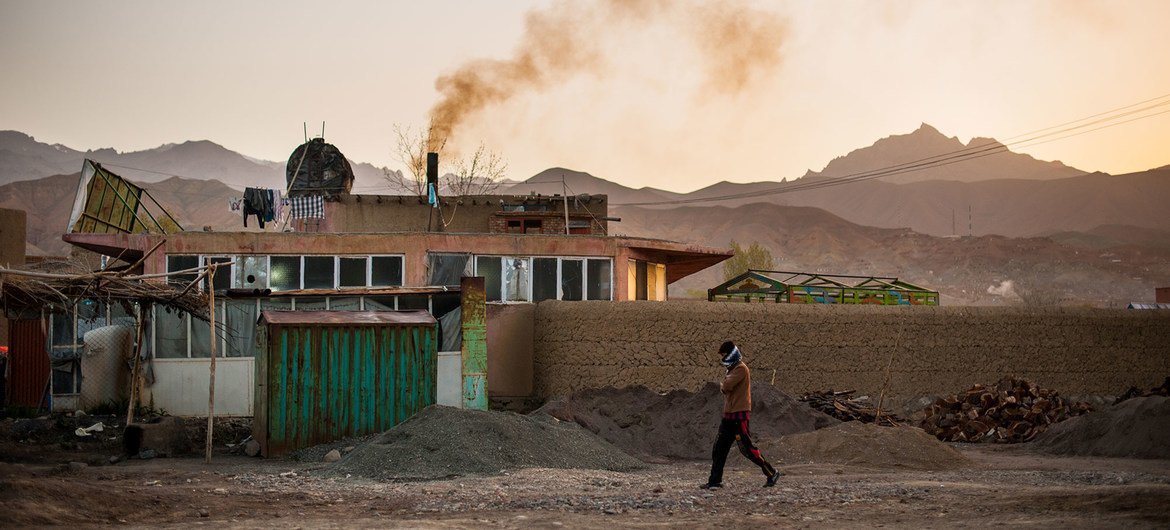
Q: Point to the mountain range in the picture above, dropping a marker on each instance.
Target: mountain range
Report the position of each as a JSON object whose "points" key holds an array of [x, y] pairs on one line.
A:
{"points": [[959, 228]]}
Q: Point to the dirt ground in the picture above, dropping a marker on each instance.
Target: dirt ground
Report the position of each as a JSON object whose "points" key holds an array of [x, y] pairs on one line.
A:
{"points": [[1007, 485]]}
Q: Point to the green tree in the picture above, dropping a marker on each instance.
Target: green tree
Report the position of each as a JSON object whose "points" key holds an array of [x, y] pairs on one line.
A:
{"points": [[753, 257]]}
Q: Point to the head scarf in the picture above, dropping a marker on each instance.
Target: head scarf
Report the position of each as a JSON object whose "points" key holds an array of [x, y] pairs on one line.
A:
{"points": [[732, 358]]}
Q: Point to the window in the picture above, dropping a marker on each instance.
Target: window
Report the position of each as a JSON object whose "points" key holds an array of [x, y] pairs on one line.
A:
{"points": [[600, 280], [318, 272], [544, 279], [447, 269], [386, 271], [489, 268], [572, 279], [180, 263], [284, 273], [512, 278], [170, 333], [352, 272], [524, 226], [250, 272], [223, 273], [516, 279]]}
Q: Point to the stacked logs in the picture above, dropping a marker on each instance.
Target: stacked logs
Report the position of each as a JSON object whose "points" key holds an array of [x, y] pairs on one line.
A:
{"points": [[1011, 411], [845, 407]]}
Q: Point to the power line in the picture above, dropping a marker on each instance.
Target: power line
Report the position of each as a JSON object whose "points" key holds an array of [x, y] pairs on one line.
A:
{"points": [[968, 153]]}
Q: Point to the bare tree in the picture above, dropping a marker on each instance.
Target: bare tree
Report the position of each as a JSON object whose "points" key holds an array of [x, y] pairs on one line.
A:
{"points": [[477, 174], [411, 148]]}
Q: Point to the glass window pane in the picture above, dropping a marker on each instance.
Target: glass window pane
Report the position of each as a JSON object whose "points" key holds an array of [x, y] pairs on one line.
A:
{"points": [[285, 274], [414, 301], [489, 268], [62, 328], [349, 303], [65, 377], [201, 335], [275, 304], [179, 263], [90, 315], [544, 279], [250, 272], [571, 276], [516, 278], [386, 271], [170, 332], [443, 303], [379, 303], [223, 273], [318, 272], [240, 319], [447, 269], [599, 280], [352, 272], [310, 304]]}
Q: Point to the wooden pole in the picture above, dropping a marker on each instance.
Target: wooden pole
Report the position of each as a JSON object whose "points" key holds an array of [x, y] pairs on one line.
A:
{"points": [[211, 383], [137, 362]]}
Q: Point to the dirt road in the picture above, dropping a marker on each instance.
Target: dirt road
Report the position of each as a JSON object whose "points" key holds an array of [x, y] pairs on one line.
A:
{"points": [[1007, 486]]}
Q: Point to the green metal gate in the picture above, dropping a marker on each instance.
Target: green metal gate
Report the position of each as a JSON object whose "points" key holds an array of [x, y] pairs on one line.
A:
{"points": [[327, 375]]}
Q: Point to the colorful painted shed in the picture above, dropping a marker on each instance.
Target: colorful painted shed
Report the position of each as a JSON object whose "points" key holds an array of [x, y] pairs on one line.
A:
{"points": [[816, 288], [326, 375]]}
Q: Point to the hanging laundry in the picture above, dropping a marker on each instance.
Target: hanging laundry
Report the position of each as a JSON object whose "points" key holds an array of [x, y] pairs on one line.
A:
{"points": [[307, 207], [270, 211], [278, 203], [235, 204], [258, 202]]}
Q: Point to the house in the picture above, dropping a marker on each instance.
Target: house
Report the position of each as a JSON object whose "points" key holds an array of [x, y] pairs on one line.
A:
{"points": [[363, 252]]}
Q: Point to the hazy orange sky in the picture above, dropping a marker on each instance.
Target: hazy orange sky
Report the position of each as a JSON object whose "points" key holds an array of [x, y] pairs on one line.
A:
{"points": [[663, 94]]}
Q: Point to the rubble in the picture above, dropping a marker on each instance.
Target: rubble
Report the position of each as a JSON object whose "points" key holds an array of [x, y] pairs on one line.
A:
{"points": [[1133, 392], [843, 406], [1011, 411]]}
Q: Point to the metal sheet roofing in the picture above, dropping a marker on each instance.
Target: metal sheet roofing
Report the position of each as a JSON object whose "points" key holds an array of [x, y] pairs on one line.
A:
{"points": [[348, 318]]}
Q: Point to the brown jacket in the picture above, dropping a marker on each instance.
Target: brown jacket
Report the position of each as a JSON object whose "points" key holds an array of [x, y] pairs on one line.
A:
{"points": [[737, 389]]}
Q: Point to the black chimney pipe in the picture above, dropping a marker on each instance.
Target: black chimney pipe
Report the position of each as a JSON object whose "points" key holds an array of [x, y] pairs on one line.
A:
{"points": [[433, 170]]}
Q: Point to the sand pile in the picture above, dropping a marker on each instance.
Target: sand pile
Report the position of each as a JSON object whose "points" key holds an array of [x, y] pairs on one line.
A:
{"points": [[1137, 427], [658, 427], [868, 445], [444, 442]]}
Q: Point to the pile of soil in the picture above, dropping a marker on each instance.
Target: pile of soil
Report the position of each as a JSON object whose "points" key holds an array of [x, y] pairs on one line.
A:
{"points": [[442, 442], [679, 424], [1137, 427], [867, 445]]}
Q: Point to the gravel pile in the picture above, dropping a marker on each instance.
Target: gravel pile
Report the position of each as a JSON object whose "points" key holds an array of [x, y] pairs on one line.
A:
{"points": [[865, 444], [1137, 427], [442, 442], [679, 424]]}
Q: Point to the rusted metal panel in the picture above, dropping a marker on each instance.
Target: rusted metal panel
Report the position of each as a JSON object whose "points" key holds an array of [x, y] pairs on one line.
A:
{"points": [[323, 381], [348, 318], [474, 312], [28, 364]]}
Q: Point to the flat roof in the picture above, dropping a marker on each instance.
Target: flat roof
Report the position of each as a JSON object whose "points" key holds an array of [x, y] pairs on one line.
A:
{"points": [[348, 318]]}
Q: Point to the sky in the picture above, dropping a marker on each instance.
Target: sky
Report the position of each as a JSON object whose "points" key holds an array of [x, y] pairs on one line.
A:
{"points": [[676, 95]]}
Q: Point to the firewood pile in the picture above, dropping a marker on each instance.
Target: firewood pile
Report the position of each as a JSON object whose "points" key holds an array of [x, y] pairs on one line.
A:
{"points": [[1011, 411], [845, 407], [1133, 392]]}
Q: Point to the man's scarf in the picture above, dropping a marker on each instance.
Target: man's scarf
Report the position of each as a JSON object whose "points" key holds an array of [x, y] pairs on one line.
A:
{"points": [[732, 358]]}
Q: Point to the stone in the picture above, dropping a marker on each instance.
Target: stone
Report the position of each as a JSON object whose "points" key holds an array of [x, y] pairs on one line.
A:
{"points": [[77, 467], [333, 456], [147, 454], [252, 448]]}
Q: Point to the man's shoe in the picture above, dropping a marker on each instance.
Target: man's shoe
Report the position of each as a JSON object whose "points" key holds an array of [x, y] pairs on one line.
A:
{"points": [[772, 479], [710, 486]]}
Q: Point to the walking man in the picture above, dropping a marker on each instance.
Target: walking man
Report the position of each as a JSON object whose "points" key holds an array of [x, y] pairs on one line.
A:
{"points": [[737, 407]]}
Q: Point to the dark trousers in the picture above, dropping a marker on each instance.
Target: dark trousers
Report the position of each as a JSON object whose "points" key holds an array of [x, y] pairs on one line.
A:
{"points": [[732, 431]]}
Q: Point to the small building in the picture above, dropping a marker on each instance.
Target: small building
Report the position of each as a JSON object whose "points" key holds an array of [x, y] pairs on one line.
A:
{"points": [[339, 251], [814, 288]]}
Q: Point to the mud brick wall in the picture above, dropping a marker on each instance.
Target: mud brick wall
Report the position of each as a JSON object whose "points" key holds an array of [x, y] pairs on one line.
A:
{"points": [[935, 350]]}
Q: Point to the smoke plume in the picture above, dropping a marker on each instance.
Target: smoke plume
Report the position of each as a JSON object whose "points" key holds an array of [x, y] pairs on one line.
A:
{"points": [[735, 42]]}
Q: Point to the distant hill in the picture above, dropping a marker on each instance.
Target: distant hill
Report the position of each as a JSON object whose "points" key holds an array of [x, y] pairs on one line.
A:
{"points": [[23, 158], [964, 269], [928, 144], [549, 182]]}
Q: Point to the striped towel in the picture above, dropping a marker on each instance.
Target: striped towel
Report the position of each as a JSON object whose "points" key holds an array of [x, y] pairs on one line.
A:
{"points": [[307, 207]]}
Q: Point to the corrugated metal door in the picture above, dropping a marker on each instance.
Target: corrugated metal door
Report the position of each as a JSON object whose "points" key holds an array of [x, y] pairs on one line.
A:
{"points": [[28, 364], [326, 383]]}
